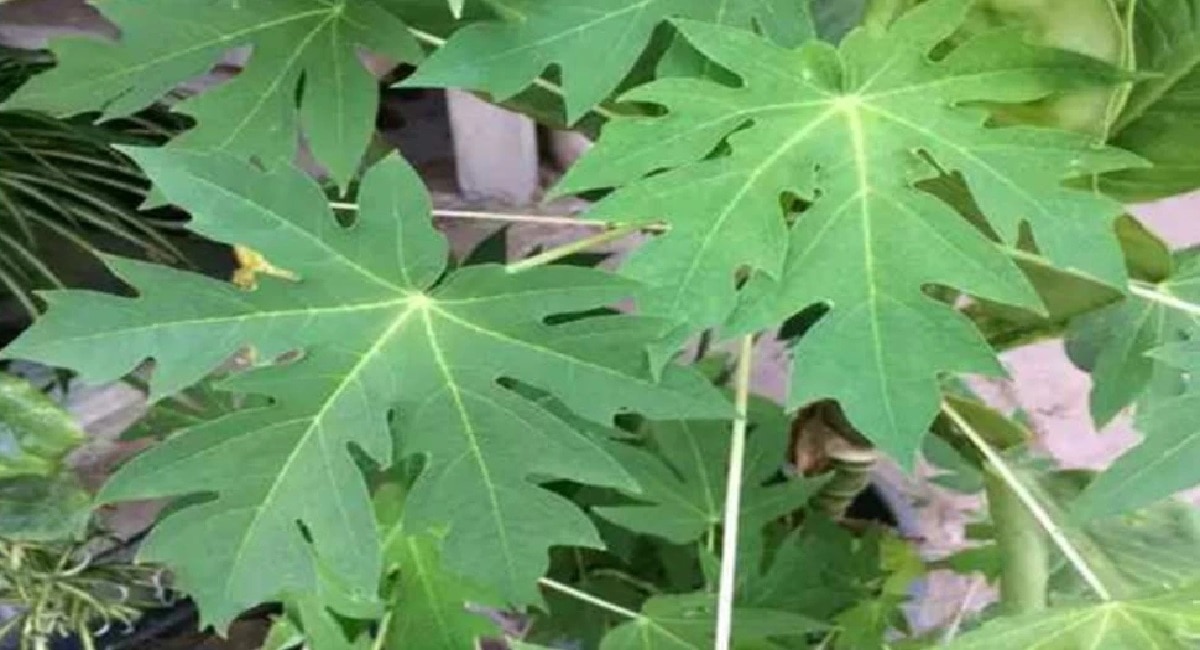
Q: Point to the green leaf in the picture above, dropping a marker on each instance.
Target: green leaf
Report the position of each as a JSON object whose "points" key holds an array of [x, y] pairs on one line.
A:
{"points": [[1157, 121], [43, 509], [841, 128], [682, 477], [1113, 344], [818, 571], [1068, 296], [255, 114], [35, 433], [429, 605], [1152, 549], [686, 622], [1168, 458], [1162, 621], [378, 334], [502, 58]]}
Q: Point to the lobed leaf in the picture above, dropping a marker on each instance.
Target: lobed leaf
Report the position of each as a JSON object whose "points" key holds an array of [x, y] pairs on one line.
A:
{"points": [[851, 131], [1113, 343], [682, 473], [256, 114], [1165, 462], [504, 57], [1169, 621], [1157, 119], [381, 334]]}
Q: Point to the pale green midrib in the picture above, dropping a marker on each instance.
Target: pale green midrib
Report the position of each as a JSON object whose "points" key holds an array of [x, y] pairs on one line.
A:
{"points": [[230, 40], [858, 148], [427, 586], [752, 178], [756, 111], [287, 224], [264, 94], [1016, 188], [240, 318], [468, 429], [540, 350], [314, 428], [931, 232]]}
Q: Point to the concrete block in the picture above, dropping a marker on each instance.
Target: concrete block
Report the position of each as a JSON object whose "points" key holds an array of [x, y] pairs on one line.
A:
{"points": [[495, 150]]}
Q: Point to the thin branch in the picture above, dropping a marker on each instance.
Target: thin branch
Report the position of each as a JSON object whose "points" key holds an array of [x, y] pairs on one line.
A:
{"points": [[1158, 295], [1151, 292], [536, 219], [733, 498], [960, 612], [577, 246], [549, 86], [1031, 502], [585, 597]]}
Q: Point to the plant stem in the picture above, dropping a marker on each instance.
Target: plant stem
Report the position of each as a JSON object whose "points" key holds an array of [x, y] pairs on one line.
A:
{"points": [[1156, 294], [1026, 497], [733, 498], [585, 597], [560, 252], [1024, 572], [538, 219]]}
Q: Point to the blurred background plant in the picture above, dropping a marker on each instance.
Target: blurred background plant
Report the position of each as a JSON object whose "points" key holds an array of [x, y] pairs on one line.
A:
{"points": [[67, 194], [61, 575]]}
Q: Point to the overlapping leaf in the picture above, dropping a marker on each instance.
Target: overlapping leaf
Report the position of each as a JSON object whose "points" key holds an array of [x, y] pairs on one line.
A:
{"points": [[1168, 458], [1152, 549], [1169, 621], [378, 333], [431, 604], [1113, 343], [1158, 119], [683, 480], [503, 58], [852, 130], [255, 114], [687, 621]]}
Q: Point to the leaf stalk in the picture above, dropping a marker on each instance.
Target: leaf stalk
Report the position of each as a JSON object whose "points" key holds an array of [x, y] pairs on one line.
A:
{"points": [[1022, 493], [571, 248], [733, 498], [585, 597]]}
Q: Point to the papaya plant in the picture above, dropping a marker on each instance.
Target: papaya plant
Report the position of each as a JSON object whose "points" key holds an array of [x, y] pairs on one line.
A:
{"points": [[440, 453]]}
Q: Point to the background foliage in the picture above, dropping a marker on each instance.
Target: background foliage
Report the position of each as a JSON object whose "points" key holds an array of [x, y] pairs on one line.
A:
{"points": [[907, 187]]}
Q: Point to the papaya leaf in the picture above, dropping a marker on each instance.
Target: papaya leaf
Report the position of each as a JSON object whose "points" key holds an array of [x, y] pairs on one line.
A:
{"points": [[1153, 548], [1170, 621], [504, 57], [1166, 460], [430, 605], [851, 130], [1069, 296], [682, 480], [819, 571], [256, 114], [1113, 344], [1157, 120], [686, 622], [377, 333]]}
